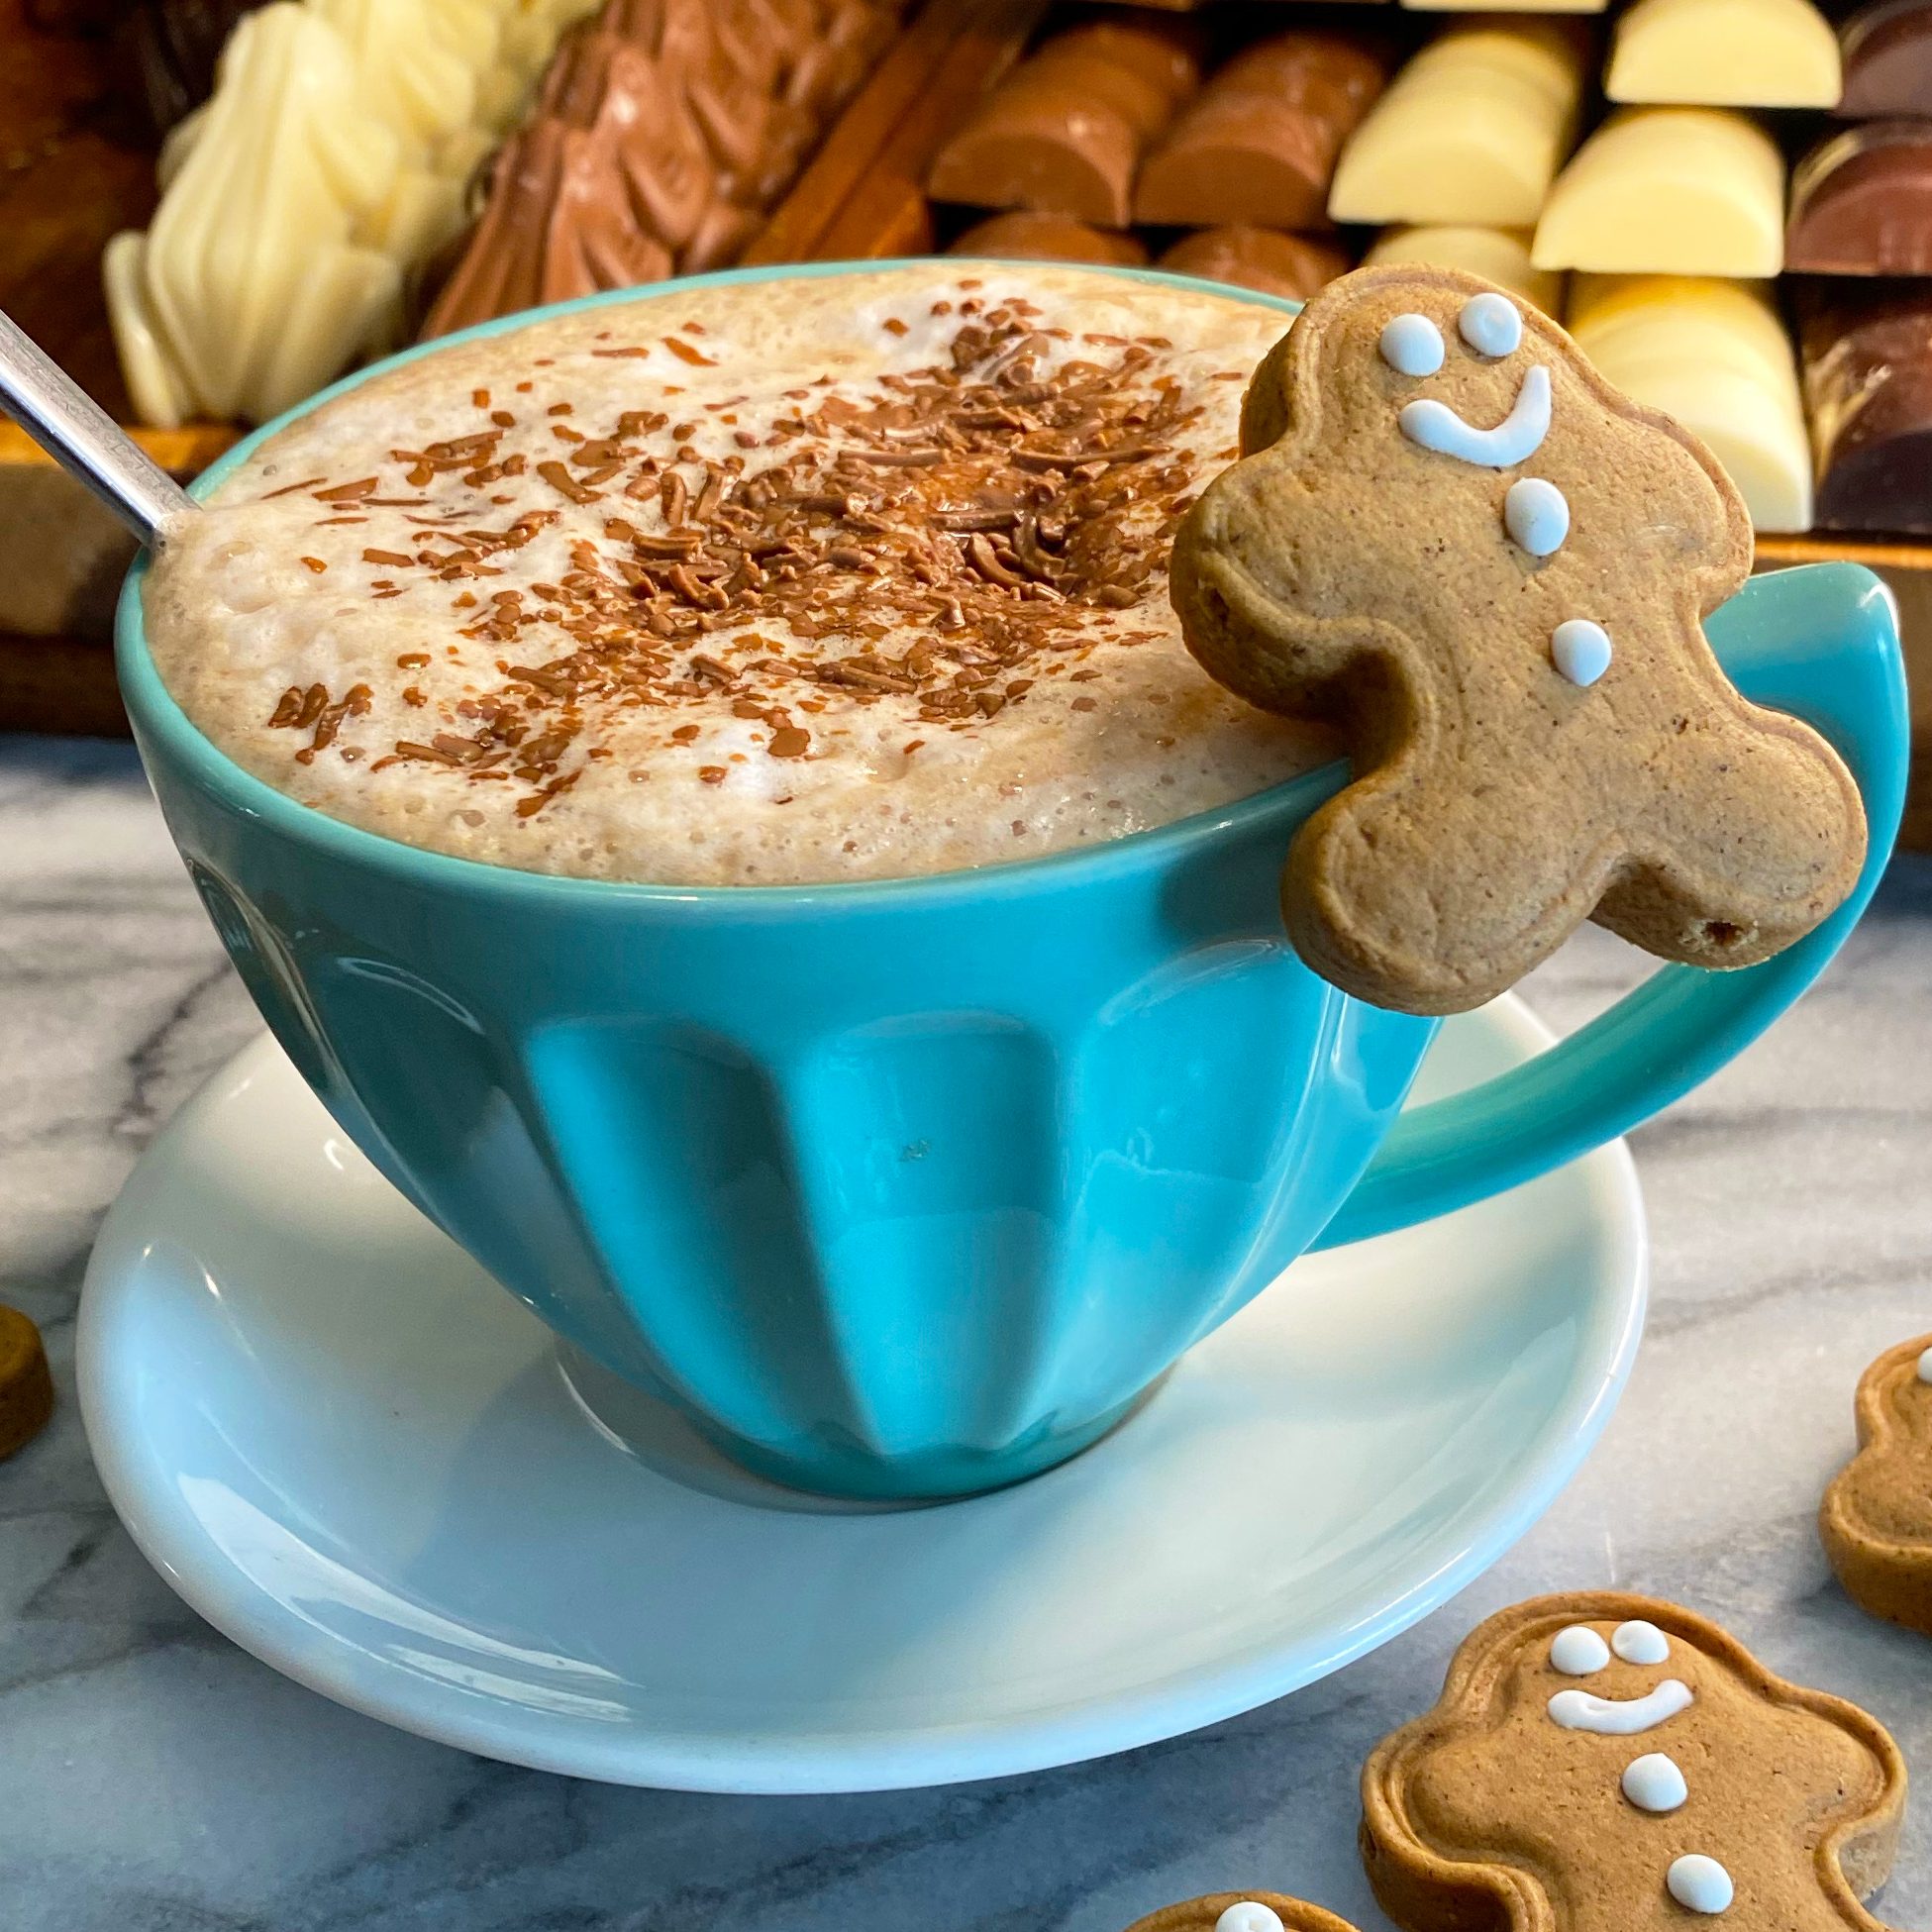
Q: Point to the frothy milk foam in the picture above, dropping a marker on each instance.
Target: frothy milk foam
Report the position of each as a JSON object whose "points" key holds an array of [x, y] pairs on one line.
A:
{"points": [[823, 580]]}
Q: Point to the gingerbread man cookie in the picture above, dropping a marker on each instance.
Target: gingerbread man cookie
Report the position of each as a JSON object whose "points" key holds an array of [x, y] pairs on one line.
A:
{"points": [[1601, 1762], [1877, 1516], [1242, 1911], [1450, 537]]}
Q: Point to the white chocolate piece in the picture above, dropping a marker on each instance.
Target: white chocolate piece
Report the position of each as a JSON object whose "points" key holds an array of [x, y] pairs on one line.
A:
{"points": [[1577, 1651], [1471, 131], [1725, 54], [1668, 191], [1497, 254], [1699, 1884], [331, 160], [1925, 1365], [1653, 1783], [1510, 6], [1715, 356]]}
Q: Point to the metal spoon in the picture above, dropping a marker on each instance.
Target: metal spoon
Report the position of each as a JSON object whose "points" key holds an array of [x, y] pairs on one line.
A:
{"points": [[85, 439]]}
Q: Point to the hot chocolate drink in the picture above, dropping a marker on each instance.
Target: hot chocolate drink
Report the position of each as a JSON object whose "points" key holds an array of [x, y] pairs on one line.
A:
{"points": [[834, 578]]}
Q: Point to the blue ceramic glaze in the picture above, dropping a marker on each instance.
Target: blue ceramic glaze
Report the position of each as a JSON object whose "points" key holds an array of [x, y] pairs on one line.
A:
{"points": [[912, 1188]]}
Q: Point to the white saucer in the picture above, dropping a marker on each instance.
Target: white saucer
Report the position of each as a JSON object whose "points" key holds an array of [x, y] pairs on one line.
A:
{"points": [[354, 1453]]}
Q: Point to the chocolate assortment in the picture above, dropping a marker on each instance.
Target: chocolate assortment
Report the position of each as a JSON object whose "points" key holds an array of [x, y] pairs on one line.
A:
{"points": [[664, 131]]}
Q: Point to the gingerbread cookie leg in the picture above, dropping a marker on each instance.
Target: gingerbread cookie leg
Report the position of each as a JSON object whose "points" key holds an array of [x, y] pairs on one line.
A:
{"points": [[1602, 1760]]}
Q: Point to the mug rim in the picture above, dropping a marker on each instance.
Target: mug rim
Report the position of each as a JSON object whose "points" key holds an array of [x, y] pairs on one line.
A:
{"points": [[161, 720]]}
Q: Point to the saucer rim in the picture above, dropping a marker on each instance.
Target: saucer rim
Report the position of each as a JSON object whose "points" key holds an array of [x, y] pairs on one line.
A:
{"points": [[1099, 1724]]}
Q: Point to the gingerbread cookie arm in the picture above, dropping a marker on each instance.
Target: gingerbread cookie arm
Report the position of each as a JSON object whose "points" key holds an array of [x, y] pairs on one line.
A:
{"points": [[1876, 1520], [1834, 1796]]}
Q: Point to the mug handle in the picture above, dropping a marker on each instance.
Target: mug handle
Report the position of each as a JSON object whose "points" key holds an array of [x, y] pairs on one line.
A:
{"points": [[1820, 641]]}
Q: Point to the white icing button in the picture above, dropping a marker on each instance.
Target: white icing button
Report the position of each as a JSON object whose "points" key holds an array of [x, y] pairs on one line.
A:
{"points": [[1249, 1916], [1699, 1884], [1516, 439], [1638, 1642], [1537, 516], [1581, 650], [1925, 1365], [1620, 1717], [1653, 1783], [1411, 344], [1490, 325], [1577, 1651]]}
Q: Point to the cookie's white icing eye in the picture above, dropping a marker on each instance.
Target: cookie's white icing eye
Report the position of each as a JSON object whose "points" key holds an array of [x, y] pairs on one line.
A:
{"points": [[1577, 1651], [1492, 324], [1639, 1642], [1411, 344]]}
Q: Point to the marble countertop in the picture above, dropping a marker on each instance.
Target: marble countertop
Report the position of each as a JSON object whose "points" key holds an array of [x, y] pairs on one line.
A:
{"points": [[155, 1779]]}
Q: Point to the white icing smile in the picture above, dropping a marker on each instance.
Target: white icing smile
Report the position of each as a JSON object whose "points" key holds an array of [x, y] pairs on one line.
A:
{"points": [[1620, 1717], [1436, 425]]}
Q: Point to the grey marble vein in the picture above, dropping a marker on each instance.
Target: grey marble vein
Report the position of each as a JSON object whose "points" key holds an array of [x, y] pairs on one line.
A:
{"points": [[154, 1779]]}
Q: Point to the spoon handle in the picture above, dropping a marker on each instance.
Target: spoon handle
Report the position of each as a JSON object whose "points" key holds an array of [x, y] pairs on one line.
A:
{"points": [[83, 439]]}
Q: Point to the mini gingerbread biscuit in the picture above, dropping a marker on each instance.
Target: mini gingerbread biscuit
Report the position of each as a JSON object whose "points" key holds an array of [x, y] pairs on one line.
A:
{"points": [[1601, 1762], [1453, 540], [1242, 1911], [1877, 1516], [26, 1386]]}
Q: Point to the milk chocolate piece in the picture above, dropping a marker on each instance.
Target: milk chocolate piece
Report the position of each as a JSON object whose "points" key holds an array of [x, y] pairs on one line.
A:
{"points": [[1063, 133], [1887, 50], [1295, 265], [1258, 144], [1471, 131], [1021, 234], [1867, 385], [1497, 254], [1724, 54], [1862, 202], [1668, 191]]}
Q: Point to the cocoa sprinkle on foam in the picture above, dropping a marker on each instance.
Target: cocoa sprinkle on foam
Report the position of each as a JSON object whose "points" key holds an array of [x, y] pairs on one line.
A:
{"points": [[997, 507]]}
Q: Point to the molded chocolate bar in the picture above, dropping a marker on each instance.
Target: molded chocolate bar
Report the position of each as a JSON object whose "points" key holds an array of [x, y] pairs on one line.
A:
{"points": [[1063, 133], [1497, 254], [1867, 385], [1668, 191], [1862, 202], [1021, 234], [1886, 52], [1295, 265], [1472, 130], [1725, 54], [1259, 143]]}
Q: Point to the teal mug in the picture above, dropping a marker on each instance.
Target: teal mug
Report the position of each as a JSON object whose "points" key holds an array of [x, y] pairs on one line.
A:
{"points": [[912, 1188]]}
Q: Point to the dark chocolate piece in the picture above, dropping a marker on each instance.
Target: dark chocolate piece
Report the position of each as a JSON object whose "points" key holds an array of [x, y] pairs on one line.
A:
{"points": [[1868, 390], [1862, 203], [1295, 265], [1259, 143], [170, 48], [1021, 234], [1886, 52]]}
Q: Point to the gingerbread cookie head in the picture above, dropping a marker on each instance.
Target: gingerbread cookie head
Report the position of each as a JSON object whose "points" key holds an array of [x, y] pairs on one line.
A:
{"points": [[1242, 1911], [1877, 1516], [1599, 1763], [1450, 537]]}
